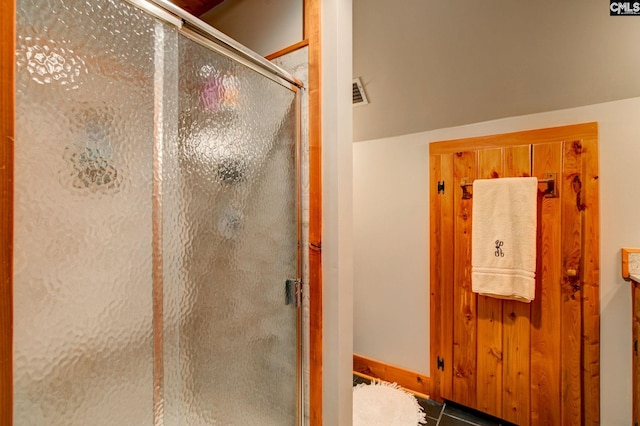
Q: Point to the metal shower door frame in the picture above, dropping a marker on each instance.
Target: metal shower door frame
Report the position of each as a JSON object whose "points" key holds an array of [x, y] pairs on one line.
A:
{"points": [[207, 36]]}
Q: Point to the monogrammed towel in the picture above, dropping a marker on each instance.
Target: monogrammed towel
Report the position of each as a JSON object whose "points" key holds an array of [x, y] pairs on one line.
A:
{"points": [[503, 238]]}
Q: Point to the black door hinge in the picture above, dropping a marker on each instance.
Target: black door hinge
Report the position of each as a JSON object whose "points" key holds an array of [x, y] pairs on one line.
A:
{"points": [[440, 187], [440, 363]]}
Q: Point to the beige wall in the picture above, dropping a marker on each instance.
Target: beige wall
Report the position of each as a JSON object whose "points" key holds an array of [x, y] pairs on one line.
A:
{"points": [[391, 270], [251, 22], [619, 151], [337, 212], [433, 64]]}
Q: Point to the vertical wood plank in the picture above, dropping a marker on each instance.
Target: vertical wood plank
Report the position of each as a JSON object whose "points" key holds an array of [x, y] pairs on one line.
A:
{"points": [[312, 34], [441, 259], [590, 284], [7, 103], [448, 261], [635, 295], [570, 324], [435, 275], [545, 309], [315, 335], [489, 370], [464, 300], [516, 319]]}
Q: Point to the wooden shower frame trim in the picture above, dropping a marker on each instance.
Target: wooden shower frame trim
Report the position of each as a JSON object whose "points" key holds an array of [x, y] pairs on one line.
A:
{"points": [[7, 104], [311, 35], [590, 339], [312, 42], [288, 49], [311, 29]]}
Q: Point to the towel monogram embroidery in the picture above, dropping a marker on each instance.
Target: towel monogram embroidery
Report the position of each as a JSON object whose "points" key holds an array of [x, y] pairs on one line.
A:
{"points": [[499, 252]]}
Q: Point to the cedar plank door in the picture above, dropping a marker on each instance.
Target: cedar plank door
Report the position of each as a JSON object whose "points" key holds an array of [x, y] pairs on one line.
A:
{"points": [[528, 363]]}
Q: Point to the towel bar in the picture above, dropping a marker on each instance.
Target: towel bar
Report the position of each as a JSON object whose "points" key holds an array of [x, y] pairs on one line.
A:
{"points": [[548, 178]]}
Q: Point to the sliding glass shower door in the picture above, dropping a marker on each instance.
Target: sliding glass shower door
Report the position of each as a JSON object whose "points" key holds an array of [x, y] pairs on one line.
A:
{"points": [[234, 199], [155, 225]]}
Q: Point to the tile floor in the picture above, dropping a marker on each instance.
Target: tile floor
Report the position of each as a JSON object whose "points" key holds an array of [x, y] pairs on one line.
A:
{"points": [[449, 414]]}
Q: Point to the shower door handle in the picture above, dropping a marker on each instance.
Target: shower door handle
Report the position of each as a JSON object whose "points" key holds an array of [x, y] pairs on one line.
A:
{"points": [[293, 292]]}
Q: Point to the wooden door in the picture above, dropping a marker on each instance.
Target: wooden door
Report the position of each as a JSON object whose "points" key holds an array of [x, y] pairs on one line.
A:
{"points": [[528, 363]]}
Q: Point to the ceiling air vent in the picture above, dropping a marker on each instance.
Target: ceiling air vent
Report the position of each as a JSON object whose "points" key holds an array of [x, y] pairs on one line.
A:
{"points": [[359, 97]]}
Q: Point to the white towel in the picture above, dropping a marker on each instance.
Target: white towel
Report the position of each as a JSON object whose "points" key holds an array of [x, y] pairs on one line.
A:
{"points": [[503, 238]]}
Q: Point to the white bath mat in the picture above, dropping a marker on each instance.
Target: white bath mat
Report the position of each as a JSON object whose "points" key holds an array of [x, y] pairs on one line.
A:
{"points": [[385, 404]]}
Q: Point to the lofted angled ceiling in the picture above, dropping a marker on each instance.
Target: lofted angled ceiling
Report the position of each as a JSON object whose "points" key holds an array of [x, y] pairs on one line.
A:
{"points": [[197, 7], [428, 65]]}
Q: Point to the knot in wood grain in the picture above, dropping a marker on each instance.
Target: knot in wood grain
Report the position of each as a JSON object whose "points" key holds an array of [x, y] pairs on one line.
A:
{"points": [[577, 147]]}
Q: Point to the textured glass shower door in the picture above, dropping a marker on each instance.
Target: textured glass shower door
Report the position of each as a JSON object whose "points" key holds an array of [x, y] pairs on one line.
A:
{"points": [[155, 225], [232, 357], [84, 156]]}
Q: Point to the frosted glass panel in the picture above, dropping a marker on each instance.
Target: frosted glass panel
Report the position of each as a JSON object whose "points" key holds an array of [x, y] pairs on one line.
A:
{"points": [[236, 168], [121, 122], [83, 230]]}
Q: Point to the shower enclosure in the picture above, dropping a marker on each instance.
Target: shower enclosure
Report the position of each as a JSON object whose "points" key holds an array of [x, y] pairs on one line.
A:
{"points": [[156, 222]]}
